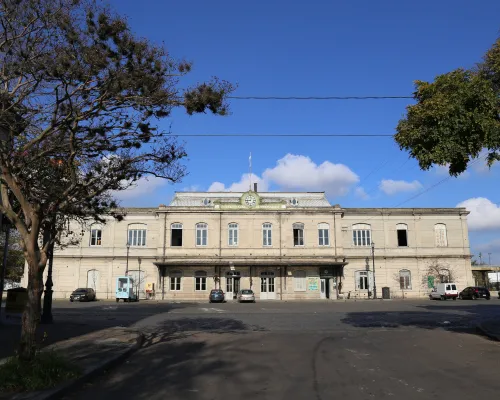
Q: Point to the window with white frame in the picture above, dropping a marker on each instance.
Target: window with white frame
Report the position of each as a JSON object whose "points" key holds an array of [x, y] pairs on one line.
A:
{"points": [[201, 234], [175, 281], [95, 235], [233, 234], [404, 279], [363, 280], [402, 234], [267, 230], [176, 235], [299, 281], [200, 281], [361, 235], [137, 234], [324, 234], [298, 234], [441, 235]]}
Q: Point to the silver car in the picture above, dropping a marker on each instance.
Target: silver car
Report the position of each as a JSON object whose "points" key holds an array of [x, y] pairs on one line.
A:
{"points": [[246, 295]]}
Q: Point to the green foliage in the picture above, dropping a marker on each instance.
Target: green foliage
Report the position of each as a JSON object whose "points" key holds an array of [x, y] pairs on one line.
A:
{"points": [[46, 370], [455, 117]]}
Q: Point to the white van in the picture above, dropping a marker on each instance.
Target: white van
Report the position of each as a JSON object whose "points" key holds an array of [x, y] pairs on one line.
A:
{"points": [[444, 291]]}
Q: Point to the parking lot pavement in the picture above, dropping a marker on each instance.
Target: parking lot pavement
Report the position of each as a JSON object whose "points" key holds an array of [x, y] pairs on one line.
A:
{"points": [[198, 361]]}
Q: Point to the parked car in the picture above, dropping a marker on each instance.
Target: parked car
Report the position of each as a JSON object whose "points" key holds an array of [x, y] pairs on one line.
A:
{"points": [[444, 291], [474, 292], [216, 295], [83, 294], [246, 295]]}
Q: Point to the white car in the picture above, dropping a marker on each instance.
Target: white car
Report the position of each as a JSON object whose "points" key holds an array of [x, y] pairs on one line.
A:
{"points": [[444, 291]]}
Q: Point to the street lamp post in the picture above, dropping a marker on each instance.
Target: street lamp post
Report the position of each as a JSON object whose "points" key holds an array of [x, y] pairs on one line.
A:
{"points": [[128, 249], [139, 283], [373, 262]]}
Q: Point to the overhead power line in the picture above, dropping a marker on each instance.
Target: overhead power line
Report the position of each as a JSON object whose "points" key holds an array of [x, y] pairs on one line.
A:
{"points": [[281, 135], [319, 97]]}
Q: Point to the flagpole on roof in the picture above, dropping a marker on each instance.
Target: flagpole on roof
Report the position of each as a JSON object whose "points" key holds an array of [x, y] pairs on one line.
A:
{"points": [[250, 170]]}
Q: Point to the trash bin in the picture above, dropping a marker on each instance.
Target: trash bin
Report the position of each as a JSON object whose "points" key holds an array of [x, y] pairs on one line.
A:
{"points": [[16, 301], [386, 293]]}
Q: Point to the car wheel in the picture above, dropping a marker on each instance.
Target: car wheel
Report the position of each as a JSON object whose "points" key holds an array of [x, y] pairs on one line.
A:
{"points": [[487, 298], [443, 298], [454, 298], [117, 300], [473, 297], [460, 297]]}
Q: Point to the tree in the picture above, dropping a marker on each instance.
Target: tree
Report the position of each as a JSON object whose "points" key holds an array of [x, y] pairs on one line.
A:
{"points": [[455, 117], [438, 272], [80, 99]]}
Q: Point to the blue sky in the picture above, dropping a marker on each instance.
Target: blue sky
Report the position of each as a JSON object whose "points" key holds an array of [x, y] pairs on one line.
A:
{"points": [[321, 48]]}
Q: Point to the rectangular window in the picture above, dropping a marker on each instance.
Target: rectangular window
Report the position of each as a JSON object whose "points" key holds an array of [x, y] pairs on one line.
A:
{"points": [[233, 235], [175, 283], [137, 237], [267, 234], [95, 237], [363, 279], [440, 235], [404, 280], [402, 238], [361, 237], [324, 236], [201, 234], [299, 281], [298, 234], [176, 235], [200, 283]]}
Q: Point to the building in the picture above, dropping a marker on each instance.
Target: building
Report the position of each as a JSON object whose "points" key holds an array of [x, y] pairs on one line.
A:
{"points": [[284, 246]]}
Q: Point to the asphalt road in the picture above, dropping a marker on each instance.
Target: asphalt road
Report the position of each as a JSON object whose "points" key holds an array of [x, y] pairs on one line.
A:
{"points": [[272, 350]]}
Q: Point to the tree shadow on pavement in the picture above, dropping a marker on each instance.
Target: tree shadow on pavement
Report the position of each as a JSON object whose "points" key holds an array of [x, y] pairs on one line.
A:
{"points": [[460, 318], [183, 356], [80, 319]]}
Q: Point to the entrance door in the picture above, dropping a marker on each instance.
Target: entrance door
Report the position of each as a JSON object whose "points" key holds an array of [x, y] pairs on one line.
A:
{"points": [[267, 291], [322, 288], [229, 288]]}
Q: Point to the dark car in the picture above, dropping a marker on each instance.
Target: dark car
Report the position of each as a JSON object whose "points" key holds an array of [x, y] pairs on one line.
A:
{"points": [[474, 292], [216, 296], [82, 294]]}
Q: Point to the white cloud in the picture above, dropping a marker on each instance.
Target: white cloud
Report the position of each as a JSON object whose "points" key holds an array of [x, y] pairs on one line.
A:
{"points": [[242, 186], [144, 186], [360, 192], [390, 187], [297, 172], [484, 214]]}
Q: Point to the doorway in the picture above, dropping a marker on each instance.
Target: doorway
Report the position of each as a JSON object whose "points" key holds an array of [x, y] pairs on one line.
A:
{"points": [[324, 288], [267, 289], [233, 279]]}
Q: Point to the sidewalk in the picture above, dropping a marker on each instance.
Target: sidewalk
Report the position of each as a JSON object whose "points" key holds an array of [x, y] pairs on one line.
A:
{"points": [[490, 328], [93, 352]]}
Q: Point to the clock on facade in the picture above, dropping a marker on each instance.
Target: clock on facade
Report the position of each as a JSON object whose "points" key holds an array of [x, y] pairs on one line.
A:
{"points": [[250, 200]]}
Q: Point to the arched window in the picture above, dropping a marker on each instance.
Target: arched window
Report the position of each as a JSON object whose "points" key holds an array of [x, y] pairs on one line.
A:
{"points": [[200, 281], [93, 279], [361, 235], [298, 234], [441, 235], [137, 234], [201, 234], [324, 234], [404, 279], [299, 281], [96, 235], [176, 235], [175, 280], [402, 232], [267, 231], [232, 231]]}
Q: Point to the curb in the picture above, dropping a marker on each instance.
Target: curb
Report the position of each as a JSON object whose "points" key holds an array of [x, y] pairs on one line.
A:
{"points": [[480, 329], [59, 391]]}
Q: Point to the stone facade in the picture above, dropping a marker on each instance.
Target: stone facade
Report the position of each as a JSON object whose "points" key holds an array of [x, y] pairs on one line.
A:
{"points": [[284, 246]]}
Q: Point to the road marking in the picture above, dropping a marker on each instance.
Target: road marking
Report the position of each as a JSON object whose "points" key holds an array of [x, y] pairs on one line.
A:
{"points": [[217, 310]]}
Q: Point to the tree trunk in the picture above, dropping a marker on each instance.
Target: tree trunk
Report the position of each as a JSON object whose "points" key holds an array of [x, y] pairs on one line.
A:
{"points": [[31, 314]]}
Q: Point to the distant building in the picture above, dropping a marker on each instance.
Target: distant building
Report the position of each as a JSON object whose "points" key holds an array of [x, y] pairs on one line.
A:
{"points": [[284, 246]]}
